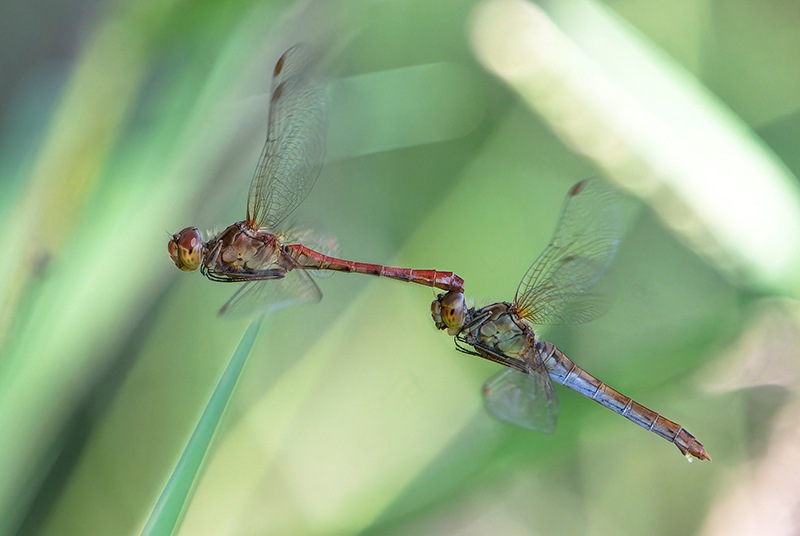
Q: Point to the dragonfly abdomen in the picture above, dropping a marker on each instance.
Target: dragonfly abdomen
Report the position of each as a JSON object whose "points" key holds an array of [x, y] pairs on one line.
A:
{"points": [[564, 371], [313, 260]]}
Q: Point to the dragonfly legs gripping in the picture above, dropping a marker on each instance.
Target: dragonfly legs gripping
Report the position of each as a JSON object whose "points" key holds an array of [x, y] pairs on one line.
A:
{"points": [[492, 355]]}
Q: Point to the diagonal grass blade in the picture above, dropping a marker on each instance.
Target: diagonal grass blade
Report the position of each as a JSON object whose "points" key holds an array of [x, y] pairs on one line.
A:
{"points": [[177, 493]]}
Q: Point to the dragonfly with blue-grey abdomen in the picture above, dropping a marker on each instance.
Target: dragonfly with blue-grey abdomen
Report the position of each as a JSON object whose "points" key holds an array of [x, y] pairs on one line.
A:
{"points": [[558, 288]]}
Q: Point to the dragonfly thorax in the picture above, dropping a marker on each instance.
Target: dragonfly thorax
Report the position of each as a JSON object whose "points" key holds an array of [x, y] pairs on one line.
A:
{"points": [[497, 327], [241, 249]]}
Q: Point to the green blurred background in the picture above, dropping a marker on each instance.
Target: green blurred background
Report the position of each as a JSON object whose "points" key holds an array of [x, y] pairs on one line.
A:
{"points": [[456, 129]]}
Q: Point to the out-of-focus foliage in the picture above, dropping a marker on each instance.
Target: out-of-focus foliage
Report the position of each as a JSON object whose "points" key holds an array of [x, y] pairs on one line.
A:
{"points": [[123, 122]]}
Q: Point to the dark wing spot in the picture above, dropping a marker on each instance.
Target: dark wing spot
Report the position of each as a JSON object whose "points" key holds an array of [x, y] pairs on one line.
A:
{"points": [[279, 64], [577, 188], [278, 92]]}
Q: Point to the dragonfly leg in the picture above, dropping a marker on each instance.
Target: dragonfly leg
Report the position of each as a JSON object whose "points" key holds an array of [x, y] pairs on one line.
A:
{"points": [[495, 356], [239, 277]]}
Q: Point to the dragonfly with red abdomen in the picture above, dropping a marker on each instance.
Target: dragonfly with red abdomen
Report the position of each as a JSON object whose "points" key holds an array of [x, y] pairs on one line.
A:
{"points": [[557, 289], [252, 251]]}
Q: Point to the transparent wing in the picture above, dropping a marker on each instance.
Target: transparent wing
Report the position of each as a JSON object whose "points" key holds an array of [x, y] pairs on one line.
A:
{"points": [[295, 148], [524, 400], [265, 296], [556, 289]]}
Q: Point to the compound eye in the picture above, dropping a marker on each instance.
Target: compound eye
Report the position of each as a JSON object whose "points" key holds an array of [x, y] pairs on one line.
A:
{"points": [[186, 249], [453, 309]]}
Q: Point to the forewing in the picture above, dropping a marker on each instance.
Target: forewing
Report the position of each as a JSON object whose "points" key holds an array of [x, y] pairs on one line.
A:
{"points": [[293, 153], [557, 288], [524, 400], [265, 296]]}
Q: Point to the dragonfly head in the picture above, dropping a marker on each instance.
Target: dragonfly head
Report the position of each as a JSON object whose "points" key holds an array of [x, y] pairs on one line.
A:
{"points": [[186, 249], [449, 311]]}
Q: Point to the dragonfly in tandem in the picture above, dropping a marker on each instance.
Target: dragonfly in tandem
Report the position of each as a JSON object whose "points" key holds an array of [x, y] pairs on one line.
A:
{"points": [[253, 251], [557, 289]]}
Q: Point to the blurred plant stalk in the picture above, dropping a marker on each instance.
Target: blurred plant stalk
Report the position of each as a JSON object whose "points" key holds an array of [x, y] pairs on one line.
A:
{"points": [[652, 128]]}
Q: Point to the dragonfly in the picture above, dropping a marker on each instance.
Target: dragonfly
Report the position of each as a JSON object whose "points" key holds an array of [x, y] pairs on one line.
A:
{"points": [[272, 267], [558, 288]]}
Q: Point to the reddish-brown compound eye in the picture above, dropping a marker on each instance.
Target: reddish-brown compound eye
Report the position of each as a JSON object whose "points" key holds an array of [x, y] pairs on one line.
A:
{"points": [[186, 249]]}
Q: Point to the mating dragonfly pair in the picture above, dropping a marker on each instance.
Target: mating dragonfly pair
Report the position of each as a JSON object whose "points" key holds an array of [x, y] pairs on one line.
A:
{"points": [[557, 288]]}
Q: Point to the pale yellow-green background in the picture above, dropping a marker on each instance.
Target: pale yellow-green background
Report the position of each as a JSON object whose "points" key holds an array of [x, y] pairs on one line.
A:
{"points": [[121, 122]]}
